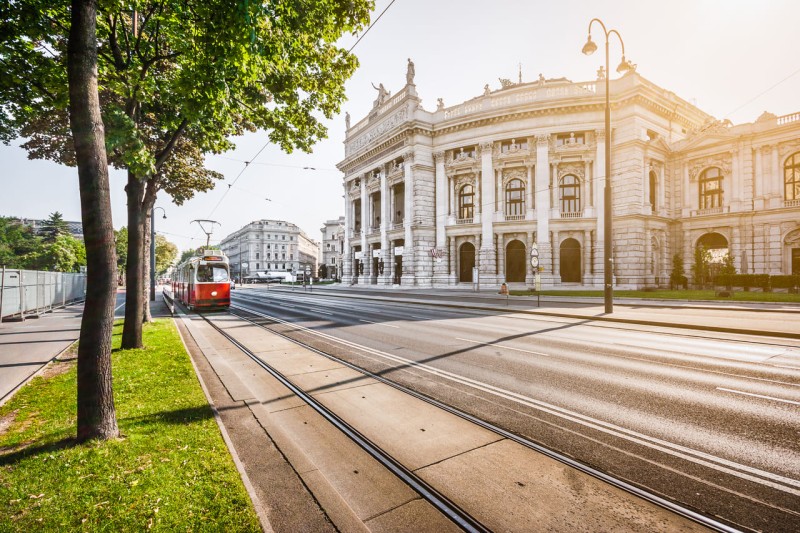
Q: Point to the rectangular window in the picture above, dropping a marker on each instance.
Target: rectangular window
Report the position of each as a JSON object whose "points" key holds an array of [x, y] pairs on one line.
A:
{"points": [[257, 266], [257, 255]]}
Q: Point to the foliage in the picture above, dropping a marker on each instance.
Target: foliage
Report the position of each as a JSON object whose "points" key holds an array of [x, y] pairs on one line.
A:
{"points": [[700, 267], [166, 252], [188, 254], [171, 472], [64, 254], [121, 241], [19, 245], [53, 227], [21, 248], [677, 278], [322, 272]]}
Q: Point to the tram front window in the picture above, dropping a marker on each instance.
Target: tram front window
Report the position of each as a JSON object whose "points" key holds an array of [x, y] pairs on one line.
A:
{"points": [[212, 273]]}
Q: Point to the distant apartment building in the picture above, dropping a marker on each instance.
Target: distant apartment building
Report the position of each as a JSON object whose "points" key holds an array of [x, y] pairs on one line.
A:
{"points": [[332, 247], [75, 228], [269, 246]]}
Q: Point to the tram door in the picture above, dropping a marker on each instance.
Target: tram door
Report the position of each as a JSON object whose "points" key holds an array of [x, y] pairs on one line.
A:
{"points": [[190, 286]]}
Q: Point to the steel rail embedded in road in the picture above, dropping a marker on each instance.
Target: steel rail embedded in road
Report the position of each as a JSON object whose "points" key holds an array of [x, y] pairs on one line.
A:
{"points": [[618, 483], [444, 505]]}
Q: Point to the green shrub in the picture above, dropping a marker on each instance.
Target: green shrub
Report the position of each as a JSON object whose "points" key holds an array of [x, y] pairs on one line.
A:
{"points": [[785, 282]]}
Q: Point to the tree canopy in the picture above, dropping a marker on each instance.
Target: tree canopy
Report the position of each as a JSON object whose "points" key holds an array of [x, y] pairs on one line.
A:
{"points": [[21, 247]]}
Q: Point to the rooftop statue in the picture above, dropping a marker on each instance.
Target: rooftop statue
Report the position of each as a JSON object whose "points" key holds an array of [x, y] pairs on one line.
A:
{"points": [[383, 94], [410, 72]]}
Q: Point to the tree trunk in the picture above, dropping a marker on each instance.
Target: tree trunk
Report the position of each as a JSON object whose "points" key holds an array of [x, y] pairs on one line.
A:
{"points": [[96, 413], [134, 303], [148, 220]]}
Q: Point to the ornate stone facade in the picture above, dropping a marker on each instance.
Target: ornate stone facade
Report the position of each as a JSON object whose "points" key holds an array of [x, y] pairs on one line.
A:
{"points": [[436, 198]]}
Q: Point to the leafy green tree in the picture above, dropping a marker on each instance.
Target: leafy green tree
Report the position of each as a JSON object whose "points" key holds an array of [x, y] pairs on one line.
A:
{"points": [[187, 254], [64, 254], [20, 247], [121, 241], [166, 253], [53, 227], [179, 78], [677, 276], [700, 268]]}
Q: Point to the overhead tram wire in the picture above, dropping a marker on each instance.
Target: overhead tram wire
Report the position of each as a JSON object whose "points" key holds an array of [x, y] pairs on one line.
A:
{"points": [[247, 163], [370, 26]]}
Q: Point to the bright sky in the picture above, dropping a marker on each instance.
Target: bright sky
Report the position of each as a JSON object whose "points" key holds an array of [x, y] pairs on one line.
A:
{"points": [[733, 58]]}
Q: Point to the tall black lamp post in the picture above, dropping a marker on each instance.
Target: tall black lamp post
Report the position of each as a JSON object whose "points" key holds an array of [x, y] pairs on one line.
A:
{"points": [[589, 48], [153, 251]]}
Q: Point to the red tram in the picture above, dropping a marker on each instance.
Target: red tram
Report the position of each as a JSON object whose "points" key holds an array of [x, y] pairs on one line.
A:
{"points": [[203, 282]]}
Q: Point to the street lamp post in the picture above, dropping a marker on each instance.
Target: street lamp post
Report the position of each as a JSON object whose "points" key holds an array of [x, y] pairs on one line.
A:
{"points": [[153, 251], [589, 48]]}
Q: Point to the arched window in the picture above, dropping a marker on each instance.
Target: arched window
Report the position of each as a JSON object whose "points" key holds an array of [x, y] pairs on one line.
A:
{"points": [[569, 192], [791, 177], [466, 202], [653, 189], [515, 198], [711, 188]]}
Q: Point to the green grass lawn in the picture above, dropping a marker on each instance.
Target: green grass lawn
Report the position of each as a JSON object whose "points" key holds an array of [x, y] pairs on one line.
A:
{"points": [[738, 296], [170, 471]]}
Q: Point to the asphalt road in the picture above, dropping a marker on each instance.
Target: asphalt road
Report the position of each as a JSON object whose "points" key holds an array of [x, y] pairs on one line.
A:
{"points": [[709, 420]]}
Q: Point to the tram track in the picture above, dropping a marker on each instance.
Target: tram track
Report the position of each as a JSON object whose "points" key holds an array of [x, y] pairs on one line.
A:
{"points": [[444, 505], [252, 316]]}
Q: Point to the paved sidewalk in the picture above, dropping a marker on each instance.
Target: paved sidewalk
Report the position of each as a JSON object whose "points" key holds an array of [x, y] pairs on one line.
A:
{"points": [[27, 347]]}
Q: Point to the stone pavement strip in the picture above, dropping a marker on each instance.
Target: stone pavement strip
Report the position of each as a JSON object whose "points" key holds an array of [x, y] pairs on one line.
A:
{"points": [[305, 472]]}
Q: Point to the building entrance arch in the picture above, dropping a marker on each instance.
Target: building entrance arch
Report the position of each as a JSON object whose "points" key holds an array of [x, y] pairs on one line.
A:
{"points": [[515, 261], [466, 262], [570, 264]]}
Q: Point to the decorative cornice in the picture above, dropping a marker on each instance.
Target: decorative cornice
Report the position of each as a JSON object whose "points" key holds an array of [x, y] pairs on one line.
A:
{"points": [[723, 161], [576, 169], [542, 140], [787, 148]]}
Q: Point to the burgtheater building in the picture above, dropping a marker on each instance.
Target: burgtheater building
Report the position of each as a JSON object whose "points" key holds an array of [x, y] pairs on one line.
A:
{"points": [[464, 193]]}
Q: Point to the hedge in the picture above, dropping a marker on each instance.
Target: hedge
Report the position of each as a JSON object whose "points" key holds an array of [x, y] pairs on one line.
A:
{"points": [[761, 281]]}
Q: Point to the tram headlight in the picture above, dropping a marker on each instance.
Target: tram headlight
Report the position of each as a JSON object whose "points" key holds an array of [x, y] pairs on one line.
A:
{"points": [[213, 293]]}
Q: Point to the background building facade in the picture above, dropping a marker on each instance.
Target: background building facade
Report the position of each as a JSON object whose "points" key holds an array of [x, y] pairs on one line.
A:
{"points": [[331, 247], [440, 198], [269, 246]]}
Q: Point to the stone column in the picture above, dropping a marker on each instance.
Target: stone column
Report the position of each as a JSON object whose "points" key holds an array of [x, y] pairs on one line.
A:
{"points": [[687, 191], [600, 205], [529, 273], [386, 217], [440, 269], [737, 180], [531, 205], [775, 179], [759, 182], [451, 191], [487, 251], [543, 207], [409, 248], [556, 257], [452, 259], [366, 259], [587, 171], [347, 263], [501, 256]]}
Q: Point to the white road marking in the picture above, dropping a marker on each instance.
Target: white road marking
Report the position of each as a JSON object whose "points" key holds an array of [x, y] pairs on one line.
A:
{"points": [[763, 477], [758, 396], [319, 311], [787, 366], [380, 324], [502, 346]]}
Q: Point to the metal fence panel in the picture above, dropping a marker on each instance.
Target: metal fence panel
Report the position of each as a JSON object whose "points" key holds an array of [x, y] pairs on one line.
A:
{"points": [[26, 292]]}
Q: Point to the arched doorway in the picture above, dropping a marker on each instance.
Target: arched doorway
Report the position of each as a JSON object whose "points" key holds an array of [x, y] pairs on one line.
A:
{"points": [[515, 261], [466, 262], [570, 265]]}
